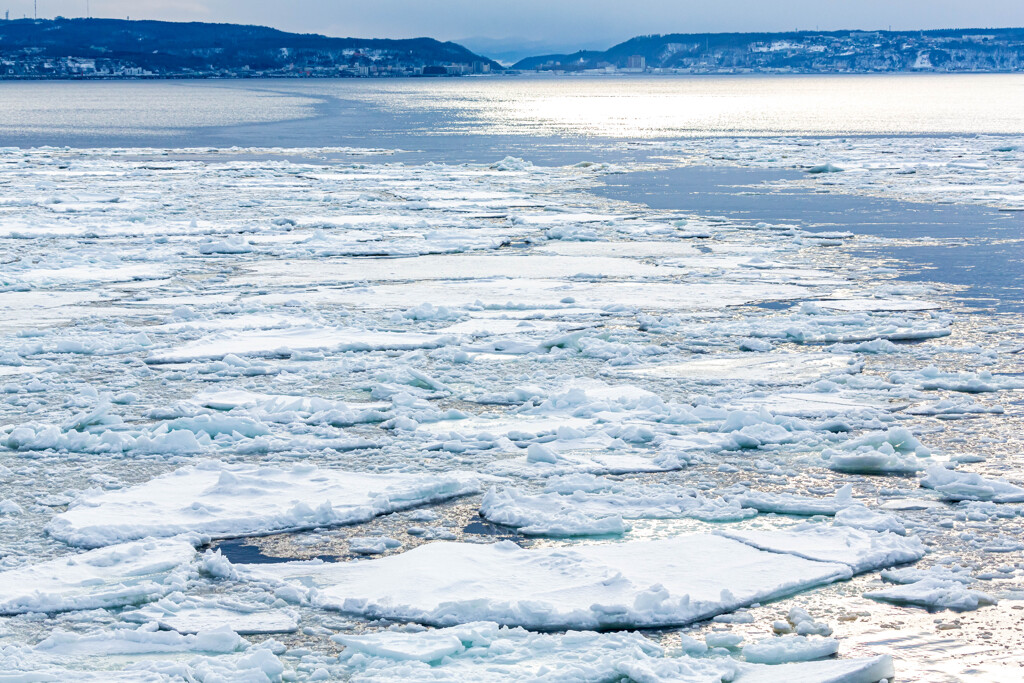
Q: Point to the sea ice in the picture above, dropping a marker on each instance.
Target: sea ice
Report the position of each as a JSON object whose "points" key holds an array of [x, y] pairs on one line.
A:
{"points": [[949, 408], [934, 594], [931, 379], [192, 615], [603, 461], [120, 575], [223, 501], [283, 291], [770, 368], [790, 649], [284, 343], [141, 641], [789, 504], [144, 655], [637, 584], [871, 670], [484, 651], [861, 517], [862, 550], [580, 513], [815, 404], [825, 168], [952, 485], [895, 451]]}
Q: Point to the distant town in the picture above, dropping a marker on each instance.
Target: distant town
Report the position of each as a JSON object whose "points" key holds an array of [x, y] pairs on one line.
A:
{"points": [[111, 49], [970, 50]]}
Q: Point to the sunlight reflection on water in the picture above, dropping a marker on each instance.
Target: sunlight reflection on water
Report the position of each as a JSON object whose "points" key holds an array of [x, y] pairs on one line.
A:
{"points": [[595, 107], [703, 106]]}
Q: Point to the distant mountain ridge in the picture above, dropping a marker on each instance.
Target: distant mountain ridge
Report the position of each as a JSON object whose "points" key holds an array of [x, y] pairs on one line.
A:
{"points": [[803, 51], [112, 47]]}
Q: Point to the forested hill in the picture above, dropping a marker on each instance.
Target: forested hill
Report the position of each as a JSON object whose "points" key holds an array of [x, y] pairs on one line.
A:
{"points": [[804, 52], [116, 47]]}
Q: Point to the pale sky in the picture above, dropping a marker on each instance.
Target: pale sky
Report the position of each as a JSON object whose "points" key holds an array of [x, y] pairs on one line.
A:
{"points": [[557, 24]]}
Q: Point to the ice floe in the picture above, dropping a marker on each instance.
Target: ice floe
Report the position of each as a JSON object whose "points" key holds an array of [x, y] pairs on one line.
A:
{"points": [[583, 513], [143, 655], [861, 550], [116, 576], [789, 504], [190, 616], [895, 451], [954, 485], [285, 343], [935, 588], [485, 651], [790, 649], [780, 368], [641, 583], [224, 501]]}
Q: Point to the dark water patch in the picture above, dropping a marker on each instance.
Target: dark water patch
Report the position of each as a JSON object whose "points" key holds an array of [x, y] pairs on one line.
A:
{"points": [[243, 552], [496, 531], [980, 249], [776, 305]]}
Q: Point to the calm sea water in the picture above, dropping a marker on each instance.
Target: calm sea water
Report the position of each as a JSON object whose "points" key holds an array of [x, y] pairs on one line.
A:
{"points": [[326, 112]]}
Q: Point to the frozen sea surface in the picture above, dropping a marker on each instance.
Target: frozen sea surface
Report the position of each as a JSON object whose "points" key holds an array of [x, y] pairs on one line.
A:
{"points": [[340, 410]]}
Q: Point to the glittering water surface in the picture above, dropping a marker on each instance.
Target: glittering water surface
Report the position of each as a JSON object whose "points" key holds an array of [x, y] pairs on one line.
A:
{"points": [[633, 107], [700, 106], [136, 109]]}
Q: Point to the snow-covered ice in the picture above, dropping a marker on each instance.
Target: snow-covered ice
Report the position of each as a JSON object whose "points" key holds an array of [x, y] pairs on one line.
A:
{"points": [[934, 594], [116, 576], [485, 651], [190, 616], [650, 583], [861, 550], [222, 501], [955, 485], [790, 649], [582, 513]]}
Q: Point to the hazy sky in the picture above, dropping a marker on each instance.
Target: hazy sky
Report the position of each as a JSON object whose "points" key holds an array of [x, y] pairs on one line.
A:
{"points": [[568, 23]]}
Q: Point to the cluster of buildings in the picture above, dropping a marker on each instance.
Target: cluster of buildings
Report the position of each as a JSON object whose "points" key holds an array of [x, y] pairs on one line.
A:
{"points": [[68, 67], [41, 67], [807, 52]]}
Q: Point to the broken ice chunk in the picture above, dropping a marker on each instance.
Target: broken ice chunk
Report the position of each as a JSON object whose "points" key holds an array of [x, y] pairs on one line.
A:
{"points": [[953, 485], [934, 593], [223, 501], [861, 550], [789, 504], [790, 649], [120, 575], [895, 451]]}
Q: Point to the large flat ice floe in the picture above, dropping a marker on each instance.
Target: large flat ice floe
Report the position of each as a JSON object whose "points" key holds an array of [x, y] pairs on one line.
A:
{"points": [[485, 651], [124, 574], [637, 584], [771, 368], [582, 513], [143, 655], [284, 343], [862, 550], [179, 613], [222, 501]]}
